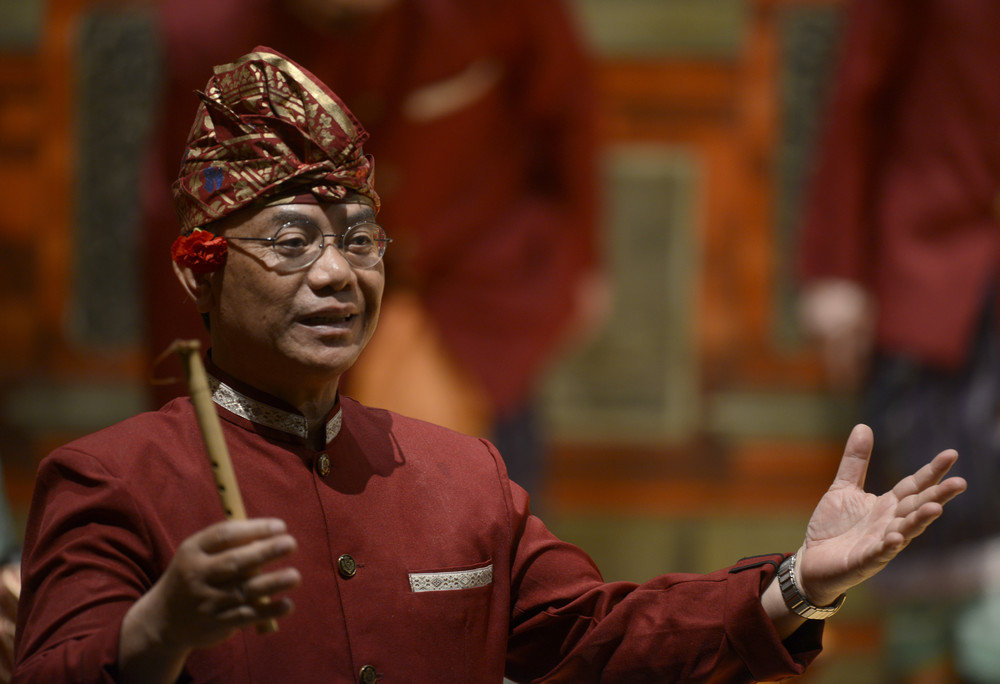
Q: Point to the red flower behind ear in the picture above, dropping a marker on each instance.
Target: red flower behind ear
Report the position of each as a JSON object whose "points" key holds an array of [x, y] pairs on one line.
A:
{"points": [[200, 250]]}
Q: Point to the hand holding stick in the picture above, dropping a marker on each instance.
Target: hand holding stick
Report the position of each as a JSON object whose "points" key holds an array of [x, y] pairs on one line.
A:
{"points": [[215, 443]]}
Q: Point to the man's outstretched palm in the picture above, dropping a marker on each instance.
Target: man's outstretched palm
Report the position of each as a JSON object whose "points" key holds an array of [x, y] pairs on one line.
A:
{"points": [[853, 534]]}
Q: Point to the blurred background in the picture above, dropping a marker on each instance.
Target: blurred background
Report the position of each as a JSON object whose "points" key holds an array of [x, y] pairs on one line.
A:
{"points": [[692, 428]]}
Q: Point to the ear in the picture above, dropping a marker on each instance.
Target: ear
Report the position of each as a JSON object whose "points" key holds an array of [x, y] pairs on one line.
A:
{"points": [[197, 285]]}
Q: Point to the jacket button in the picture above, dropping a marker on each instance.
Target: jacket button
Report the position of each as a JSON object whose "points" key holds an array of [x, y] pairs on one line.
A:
{"points": [[367, 675], [347, 568], [323, 465]]}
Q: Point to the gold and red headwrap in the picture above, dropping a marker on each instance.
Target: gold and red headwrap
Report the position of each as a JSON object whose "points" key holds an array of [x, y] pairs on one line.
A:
{"points": [[267, 129]]}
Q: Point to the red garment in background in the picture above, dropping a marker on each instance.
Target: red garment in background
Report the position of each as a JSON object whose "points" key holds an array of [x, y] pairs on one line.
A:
{"points": [[481, 114], [905, 197]]}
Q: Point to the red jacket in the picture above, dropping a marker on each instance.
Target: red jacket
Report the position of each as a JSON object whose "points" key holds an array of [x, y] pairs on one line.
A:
{"points": [[403, 498]]}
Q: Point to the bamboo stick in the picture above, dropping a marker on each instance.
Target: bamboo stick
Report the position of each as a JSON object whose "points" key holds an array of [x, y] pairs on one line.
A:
{"points": [[215, 443]]}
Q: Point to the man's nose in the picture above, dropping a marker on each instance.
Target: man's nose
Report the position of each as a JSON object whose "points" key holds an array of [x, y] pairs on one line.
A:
{"points": [[331, 264]]}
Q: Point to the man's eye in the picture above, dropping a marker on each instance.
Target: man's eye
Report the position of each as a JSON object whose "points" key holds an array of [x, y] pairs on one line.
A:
{"points": [[292, 239], [361, 237], [360, 240]]}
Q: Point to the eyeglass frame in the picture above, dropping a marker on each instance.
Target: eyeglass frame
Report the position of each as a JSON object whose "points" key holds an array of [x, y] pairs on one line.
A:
{"points": [[383, 243]]}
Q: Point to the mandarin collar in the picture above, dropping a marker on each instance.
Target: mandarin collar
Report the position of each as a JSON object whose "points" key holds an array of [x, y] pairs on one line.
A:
{"points": [[263, 411]]}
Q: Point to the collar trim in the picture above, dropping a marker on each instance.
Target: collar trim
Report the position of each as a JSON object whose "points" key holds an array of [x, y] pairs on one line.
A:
{"points": [[262, 414]]}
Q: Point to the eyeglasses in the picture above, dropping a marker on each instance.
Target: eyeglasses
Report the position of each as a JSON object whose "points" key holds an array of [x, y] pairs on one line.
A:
{"points": [[298, 244]]}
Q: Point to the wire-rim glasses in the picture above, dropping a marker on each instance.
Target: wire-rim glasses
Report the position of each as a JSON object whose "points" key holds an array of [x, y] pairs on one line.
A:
{"points": [[298, 244]]}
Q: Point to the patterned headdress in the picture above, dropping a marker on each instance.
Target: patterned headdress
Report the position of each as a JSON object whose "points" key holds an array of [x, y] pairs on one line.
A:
{"points": [[268, 129]]}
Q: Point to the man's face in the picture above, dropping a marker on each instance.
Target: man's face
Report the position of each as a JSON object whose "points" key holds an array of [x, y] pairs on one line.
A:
{"points": [[286, 332]]}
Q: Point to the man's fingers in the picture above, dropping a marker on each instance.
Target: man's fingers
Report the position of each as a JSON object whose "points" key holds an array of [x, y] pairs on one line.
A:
{"points": [[928, 476], [258, 589], [232, 533], [249, 613], [854, 464], [916, 512], [904, 530], [234, 550], [244, 561], [938, 494], [265, 585], [951, 488]]}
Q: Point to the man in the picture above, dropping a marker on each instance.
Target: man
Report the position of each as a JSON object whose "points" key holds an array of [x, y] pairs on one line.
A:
{"points": [[409, 554]]}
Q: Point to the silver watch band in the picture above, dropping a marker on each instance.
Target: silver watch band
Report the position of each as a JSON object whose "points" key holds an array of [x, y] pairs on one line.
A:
{"points": [[796, 600]]}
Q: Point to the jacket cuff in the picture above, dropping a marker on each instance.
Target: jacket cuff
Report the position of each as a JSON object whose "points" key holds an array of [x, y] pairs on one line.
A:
{"points": [[750, 630]]}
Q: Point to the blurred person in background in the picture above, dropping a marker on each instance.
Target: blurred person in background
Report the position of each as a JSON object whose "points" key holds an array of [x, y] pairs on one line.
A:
{"points": [[484, 292], [899, 263]]}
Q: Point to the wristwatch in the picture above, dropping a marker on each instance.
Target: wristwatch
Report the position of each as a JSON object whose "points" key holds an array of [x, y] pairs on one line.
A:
{"points": [[796, 600]]}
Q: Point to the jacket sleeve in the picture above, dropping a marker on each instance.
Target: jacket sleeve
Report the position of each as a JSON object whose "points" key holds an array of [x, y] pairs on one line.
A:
{"points": [[569, 626], [841, 201], [82, 570]]}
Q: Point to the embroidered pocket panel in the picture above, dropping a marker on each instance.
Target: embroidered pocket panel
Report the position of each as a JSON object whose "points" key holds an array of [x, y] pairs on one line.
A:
{"points": [[451, 580]]}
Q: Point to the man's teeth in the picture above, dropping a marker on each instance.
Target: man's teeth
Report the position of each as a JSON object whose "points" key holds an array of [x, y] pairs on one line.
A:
{"points": [[326, 320]]}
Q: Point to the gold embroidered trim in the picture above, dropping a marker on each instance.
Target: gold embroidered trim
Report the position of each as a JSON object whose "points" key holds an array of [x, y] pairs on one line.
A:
{"points": [[268, 416], [452, 580]]}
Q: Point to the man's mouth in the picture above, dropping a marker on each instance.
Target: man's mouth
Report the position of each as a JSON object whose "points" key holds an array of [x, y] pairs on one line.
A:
{"points": [[326, 320]]}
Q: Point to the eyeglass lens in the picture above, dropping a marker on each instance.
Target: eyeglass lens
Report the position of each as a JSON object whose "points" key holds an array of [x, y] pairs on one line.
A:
{"points": [[300, 244]]}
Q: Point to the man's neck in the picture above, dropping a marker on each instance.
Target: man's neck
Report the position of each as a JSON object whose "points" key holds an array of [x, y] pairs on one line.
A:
{"points": [[314, 402], [316, 415]]}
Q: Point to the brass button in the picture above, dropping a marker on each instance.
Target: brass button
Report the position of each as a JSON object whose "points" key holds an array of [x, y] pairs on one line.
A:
{"points": [[367, 675], [323, 465], [347, 567]]}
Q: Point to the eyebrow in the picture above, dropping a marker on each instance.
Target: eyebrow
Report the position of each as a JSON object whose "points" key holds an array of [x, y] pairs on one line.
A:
{"points": [[365, 214], [284, 216]]}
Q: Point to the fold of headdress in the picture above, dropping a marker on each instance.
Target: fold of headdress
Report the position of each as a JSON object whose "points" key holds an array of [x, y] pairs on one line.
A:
{"points": [[267, 128]]}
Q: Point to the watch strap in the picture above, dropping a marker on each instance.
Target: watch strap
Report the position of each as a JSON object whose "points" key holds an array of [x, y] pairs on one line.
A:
{"points": [[796, 600]]}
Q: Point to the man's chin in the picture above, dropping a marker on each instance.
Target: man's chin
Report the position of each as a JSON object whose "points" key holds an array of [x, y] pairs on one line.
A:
{"points": [[331, 361]]}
